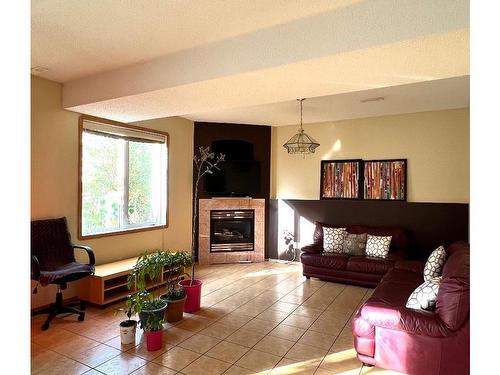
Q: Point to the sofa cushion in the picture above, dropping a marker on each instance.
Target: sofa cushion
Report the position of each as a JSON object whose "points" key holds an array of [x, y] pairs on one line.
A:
{"points": [[425, 295], [334, 261], [354, 244], [434, 265], [378, 246], [369, 265], [333, 240], [399, 240]]}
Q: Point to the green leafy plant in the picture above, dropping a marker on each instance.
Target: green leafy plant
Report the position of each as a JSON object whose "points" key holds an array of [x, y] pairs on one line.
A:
{"points": [[206, 162], [148, 271]]}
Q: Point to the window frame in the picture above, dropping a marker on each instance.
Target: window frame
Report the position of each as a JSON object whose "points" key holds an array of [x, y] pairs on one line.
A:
{"points": [[83, 118]]}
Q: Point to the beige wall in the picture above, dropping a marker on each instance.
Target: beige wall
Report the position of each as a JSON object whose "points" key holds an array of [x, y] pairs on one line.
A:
{"points": [[54, 179], [436, 145]]}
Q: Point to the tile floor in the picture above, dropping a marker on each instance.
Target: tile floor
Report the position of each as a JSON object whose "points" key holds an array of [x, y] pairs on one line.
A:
{"points": [[261, 318]]}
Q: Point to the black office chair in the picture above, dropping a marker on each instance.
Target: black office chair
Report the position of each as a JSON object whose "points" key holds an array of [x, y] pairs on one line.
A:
{"points": [[53, 262]]}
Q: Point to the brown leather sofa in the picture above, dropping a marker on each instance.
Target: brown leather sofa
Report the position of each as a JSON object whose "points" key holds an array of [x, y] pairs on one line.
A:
{"points": [[357, 270], [389, 335]]}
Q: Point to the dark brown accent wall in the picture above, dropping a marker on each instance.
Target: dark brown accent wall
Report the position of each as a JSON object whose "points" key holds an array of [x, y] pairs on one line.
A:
{"points": [[430, 224], [259, 135]]}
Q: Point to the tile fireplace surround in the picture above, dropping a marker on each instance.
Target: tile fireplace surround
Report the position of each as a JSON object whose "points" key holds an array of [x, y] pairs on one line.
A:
{"points": [[206, 205]]}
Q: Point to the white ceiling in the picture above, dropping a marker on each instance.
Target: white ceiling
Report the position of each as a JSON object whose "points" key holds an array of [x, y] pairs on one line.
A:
{"points": [[75, 38], [417, 97], [247, 61]]}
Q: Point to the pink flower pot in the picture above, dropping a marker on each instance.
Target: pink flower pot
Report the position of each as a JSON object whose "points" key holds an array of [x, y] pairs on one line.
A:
{"points": [[154, 340], [193, 294]]}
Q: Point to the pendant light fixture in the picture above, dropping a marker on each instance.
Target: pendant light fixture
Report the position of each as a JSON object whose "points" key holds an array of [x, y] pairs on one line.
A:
{"points": [[301, 143]]}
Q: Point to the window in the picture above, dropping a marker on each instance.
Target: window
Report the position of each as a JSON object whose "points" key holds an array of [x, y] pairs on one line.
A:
{"points": [[123, 178]]}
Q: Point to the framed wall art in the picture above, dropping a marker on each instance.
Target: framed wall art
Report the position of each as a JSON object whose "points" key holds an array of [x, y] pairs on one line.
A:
{"points": [[385, 179], [341, 179]]}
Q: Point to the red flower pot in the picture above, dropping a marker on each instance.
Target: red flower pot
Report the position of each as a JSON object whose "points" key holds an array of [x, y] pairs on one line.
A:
{"points": [[193, 294], [154, 340]]}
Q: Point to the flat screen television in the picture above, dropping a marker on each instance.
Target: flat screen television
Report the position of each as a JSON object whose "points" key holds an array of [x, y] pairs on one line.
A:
{"points": [[236, 178]]}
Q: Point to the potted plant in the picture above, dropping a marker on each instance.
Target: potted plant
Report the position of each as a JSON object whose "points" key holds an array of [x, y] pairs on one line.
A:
{"points": [[175, 294], [128, 327], [152, 324], [149, 306], [206, 162]]}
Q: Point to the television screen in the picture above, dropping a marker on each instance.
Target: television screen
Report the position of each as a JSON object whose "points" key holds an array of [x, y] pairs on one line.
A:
{"points": [[235, 178]]}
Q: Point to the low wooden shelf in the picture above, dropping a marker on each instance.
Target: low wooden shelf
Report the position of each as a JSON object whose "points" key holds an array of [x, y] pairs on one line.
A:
{"points": [[109, 282]]}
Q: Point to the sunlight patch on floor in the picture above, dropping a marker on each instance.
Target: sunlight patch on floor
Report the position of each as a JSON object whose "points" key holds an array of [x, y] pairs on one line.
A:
{"points": [[344, 362]]}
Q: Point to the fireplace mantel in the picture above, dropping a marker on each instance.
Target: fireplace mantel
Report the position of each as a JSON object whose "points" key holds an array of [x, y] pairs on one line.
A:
{"points": [[231, 203]]}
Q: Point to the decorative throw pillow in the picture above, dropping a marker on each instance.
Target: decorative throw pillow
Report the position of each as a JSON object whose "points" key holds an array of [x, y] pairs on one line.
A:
{"points": [[424, 297], [333, 238], [378, 246], [434, 265], [354, 244]]}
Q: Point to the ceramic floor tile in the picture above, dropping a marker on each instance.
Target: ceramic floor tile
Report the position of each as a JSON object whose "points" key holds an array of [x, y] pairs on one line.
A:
{"points": [[320, 340], [142, 351], [176, 358], [307, 311], [273, 315], [96, 355], [258, 361], [287, 332], [52, 363], [218, 330], [274, 345], [289, 367], [206, 366], [227, 352], [245, 337], [344, 362], [74, 346], [199, 343], [260, 325], [299, 321], [195, 324], [175, 336], [236, 370], [284, 306], [301, 352], [154, 369], [122, 364], [234, 320]]}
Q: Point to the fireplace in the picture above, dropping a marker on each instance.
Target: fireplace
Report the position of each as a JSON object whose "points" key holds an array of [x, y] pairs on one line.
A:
{"points": [[231, 230]]}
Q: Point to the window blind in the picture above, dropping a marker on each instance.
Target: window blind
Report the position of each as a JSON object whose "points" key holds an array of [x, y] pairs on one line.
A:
{"points": [[119, 132]]}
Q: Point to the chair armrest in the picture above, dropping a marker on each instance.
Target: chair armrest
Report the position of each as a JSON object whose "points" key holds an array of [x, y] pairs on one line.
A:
{"points": [[89, 251], [35, 268], [312, 249]]}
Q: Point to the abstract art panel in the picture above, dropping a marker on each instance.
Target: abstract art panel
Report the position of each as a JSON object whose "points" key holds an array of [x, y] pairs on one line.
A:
{"points": [[385, 179], [340, 179]]}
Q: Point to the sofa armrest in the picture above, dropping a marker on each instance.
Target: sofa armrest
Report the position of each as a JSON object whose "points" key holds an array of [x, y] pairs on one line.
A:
{"points": [[312, 249], [403, 319], [410, 265]]}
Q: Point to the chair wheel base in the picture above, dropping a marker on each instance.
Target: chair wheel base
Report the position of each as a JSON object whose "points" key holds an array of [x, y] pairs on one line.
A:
{"points": [[45, 326], [367, 365], [81, 317]]}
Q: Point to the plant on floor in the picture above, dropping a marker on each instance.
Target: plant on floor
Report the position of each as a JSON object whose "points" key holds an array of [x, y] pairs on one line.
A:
{"points": [[127, 327], [206, 162], [174, 265], [147, 272]]}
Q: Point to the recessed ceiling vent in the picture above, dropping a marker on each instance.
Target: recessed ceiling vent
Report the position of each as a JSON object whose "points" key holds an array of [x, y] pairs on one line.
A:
{"points": [[39, 70], [376, 99]]}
